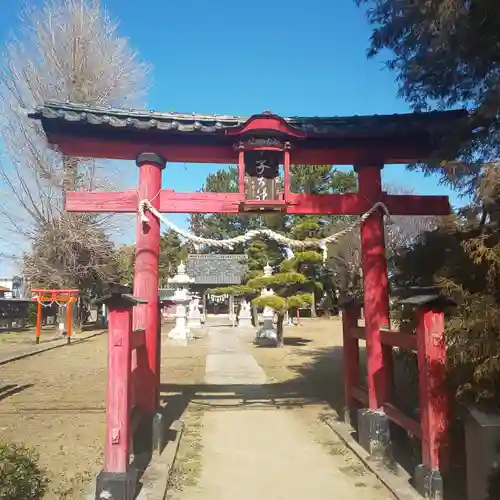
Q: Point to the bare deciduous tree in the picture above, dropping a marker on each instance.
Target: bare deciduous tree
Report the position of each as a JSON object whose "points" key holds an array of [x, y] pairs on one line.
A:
{"points": [[403, 229], [65, 50], [344, 257]]}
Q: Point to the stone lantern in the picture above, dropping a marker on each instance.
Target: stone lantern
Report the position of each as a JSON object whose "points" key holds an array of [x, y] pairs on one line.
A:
{"points": [[181, 299], [268, 331]]}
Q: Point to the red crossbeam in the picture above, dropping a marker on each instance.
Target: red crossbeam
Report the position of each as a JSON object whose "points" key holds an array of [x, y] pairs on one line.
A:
{"points": [[403, 420], [91, 201], [403, 340], [357, 332], [231, 203]]}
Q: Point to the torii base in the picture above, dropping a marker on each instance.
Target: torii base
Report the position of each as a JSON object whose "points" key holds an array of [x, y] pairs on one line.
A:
{"points": [[373, 431], [428, 483], [116, 485]]}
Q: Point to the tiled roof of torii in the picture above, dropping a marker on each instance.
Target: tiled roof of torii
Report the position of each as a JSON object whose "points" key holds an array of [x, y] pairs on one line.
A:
{"points": [[192, 123]]}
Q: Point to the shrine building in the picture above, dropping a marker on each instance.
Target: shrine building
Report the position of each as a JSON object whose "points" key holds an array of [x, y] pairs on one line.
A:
{"points": [[212, 271]]}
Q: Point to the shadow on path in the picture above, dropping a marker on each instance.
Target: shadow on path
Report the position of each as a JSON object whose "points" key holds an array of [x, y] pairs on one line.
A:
{"points": [[317, 382], [12, 389]]}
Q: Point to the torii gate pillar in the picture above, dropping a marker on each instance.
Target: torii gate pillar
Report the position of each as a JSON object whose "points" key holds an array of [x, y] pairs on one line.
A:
{"points": [[146, 281], [372, 422]]}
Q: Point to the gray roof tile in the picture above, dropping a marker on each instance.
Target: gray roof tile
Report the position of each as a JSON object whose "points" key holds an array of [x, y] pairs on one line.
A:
{"points": [[216, 269], [350, 126]]}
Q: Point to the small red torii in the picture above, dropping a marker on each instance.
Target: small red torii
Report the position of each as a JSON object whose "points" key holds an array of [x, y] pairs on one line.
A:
{"points": [[44, 297], [259, 145]]}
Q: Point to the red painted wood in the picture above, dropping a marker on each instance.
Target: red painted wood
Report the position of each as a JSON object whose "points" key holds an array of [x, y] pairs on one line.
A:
{"points": [[393, 152], [253, 147], [68, 321], [417, 205], [286, 174], [257, 205], [434, 403], [85, 201], [62, 290], [399, 339], [266, 122], [172, 202], [350, 353], [116, 451], [146, 285], [138, 338], [337, 204], [241, 174], [354, 204], [130, 150], [54, 297], [360, 394], [376, 290], [404, 421], [38, 322], [357, 332]]}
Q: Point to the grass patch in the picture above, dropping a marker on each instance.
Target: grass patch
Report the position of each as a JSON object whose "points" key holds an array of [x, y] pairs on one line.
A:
{"points": [[187, 468]]}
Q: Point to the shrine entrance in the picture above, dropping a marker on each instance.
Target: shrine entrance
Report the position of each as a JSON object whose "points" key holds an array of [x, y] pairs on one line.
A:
{"points": [[260, 145], [211, 271], [217, 304]]}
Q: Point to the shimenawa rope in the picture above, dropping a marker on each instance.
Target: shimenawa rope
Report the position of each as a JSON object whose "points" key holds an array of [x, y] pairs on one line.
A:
{"points": [[230, 243]]}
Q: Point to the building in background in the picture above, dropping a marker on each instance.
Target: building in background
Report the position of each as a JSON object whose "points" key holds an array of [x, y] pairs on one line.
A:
{"points": [[14, 285], [208, 271], [212, 271]]}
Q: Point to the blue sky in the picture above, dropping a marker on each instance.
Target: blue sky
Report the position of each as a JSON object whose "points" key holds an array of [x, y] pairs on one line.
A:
{"points": [[290, 57]]}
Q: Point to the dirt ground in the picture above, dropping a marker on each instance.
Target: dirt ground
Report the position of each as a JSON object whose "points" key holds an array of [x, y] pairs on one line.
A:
{"points": [[17, 341], [310, 363], [55, 401], [14, 340]]}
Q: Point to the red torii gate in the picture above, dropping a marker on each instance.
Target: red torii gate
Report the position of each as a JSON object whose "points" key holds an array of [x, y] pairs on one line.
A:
{"points": [[258, 144]]}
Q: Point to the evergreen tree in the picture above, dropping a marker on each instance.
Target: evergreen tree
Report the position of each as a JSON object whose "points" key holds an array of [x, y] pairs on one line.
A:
{"points": [[172, 252], [446, 54], [291, 288]]}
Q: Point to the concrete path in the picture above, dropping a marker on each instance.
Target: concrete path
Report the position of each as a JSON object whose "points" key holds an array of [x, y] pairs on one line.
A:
{"points": [[260, 454]]}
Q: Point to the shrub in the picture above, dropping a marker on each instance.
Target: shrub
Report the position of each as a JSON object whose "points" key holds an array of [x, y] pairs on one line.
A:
{"points": [[21, 478], [465, 262]]}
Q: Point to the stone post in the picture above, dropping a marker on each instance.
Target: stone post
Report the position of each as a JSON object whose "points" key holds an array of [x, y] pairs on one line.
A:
{"points": [[245, 315], [194, 314]]}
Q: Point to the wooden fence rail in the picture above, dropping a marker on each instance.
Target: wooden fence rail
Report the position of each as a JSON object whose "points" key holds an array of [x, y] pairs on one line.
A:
{"points": [[428, 342]]}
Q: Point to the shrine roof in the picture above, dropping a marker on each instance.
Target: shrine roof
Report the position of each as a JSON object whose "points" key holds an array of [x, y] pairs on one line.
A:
{"points": [[216, 269], [53, 113]]}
